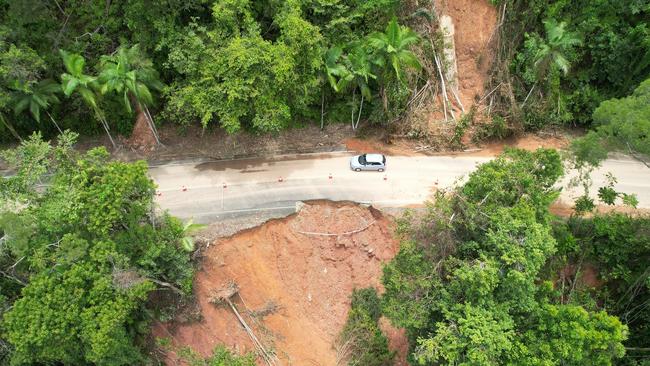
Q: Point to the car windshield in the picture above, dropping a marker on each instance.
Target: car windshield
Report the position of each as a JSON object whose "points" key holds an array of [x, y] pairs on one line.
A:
{"points": [[362, 159]]}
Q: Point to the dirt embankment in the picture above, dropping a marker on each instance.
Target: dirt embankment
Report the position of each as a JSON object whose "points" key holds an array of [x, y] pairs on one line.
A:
{"points": [[474, 24], [295, 277]]}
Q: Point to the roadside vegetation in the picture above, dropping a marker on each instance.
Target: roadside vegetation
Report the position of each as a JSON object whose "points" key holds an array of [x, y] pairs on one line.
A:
{"points": [[81, 251], [488, 276], [484, 278], [264, 66]]}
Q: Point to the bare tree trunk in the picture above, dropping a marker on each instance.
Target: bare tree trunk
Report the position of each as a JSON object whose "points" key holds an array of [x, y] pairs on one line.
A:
{"points": [[152, 125], [360, 110], [104, 123], [354, 94], [10, 128], [322, 108], [528, 96], [53, 121]]}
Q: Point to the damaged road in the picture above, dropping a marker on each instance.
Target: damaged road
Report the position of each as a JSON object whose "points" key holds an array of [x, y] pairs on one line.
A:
{"points": [[209, 191]]}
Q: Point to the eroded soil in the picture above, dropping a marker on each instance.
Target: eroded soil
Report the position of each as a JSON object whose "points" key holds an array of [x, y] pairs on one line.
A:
{"points": [[300, 270]]}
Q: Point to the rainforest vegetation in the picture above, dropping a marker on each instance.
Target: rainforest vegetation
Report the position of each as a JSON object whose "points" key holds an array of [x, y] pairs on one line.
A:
{"points": [[488, 276]]}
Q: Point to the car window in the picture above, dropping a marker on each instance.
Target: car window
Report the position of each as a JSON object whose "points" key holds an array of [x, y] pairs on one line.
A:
{"points": [[362, 160]]}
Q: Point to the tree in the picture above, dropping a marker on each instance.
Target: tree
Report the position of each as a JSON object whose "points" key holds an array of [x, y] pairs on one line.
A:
{"points": [[18, 66], [336, 74], [625, 123], [83, 254], [392, 48], [361, 70], [552, 52], [37, 97], [361, 341], [468, 282], [393, 54], [130, 75], [74, 80]]}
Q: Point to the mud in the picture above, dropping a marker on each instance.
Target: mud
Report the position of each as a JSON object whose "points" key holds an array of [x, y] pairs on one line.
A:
{"points": [[249, 165], [306, 266]]}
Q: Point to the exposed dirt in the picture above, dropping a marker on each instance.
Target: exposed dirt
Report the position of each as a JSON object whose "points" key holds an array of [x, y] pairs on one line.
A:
{"points": [[399, 147], [587, 276], [564, 209], [474, 23], [142, 138], [307, 277], [527, 142], [216, 144]]}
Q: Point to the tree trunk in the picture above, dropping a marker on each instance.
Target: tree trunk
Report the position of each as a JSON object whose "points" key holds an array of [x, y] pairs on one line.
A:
{"points": [[53, 121], [104, 123], [322, 108], [152, 124], [528, 96], [354, 94], [360, 110], [10, 128]]}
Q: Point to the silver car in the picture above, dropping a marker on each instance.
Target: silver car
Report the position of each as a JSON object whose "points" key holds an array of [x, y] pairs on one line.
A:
{"points": [[368, 162]]}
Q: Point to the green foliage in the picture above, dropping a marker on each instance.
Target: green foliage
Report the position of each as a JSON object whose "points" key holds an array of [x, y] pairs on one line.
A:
{"points": [[543, 36], [256, 65], [245, 79], [221, 356], [550, 53], [625, 123], [466, 283], [74, 315], [84, 252], [468, 336], [568, 334], [130, 75], [392, 48], [37, 97], [362, 341], [618, 245]]}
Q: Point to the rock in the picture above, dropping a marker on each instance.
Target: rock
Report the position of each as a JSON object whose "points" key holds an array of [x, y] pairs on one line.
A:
{"points": [[299, 205]]}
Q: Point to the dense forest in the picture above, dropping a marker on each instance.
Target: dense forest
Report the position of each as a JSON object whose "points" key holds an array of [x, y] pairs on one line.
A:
{"points": [[487, 276], [263, 66]]}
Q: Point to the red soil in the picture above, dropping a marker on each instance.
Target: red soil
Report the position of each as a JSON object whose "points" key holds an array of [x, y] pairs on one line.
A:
{"points": [[142, 137], [474, 23], [309, 277]]}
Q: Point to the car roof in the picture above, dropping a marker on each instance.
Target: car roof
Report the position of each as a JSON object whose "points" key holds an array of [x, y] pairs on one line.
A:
{"points": [[375, 158]]}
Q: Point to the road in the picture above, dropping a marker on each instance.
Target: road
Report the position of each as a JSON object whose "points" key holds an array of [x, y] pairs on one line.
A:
{"points": [[212, 190]]}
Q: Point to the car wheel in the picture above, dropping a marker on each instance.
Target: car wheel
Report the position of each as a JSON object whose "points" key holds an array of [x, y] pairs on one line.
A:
{"points": [[380, 170], [357, 170]]}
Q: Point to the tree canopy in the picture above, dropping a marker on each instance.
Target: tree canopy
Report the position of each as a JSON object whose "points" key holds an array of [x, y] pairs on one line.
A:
{"points": [[468, 283], [80, 258]]}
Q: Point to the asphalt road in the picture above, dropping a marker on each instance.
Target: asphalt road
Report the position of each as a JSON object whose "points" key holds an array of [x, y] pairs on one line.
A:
{"points": [[207, 191]]}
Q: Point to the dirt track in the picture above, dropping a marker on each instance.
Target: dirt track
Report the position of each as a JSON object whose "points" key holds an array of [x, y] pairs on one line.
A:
{"points": [[308, 276]]}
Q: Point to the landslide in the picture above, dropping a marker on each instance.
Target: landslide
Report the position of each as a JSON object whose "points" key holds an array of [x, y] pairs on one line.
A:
{"points": [[295, 277]]}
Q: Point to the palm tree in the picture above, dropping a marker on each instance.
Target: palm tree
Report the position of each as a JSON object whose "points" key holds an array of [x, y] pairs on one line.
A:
{"points": [[335, 73], [74, 80], [558, 41], [37, 97], [131, 75], [552, 52], [392, 52], [392, 48], [361, 69]]}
